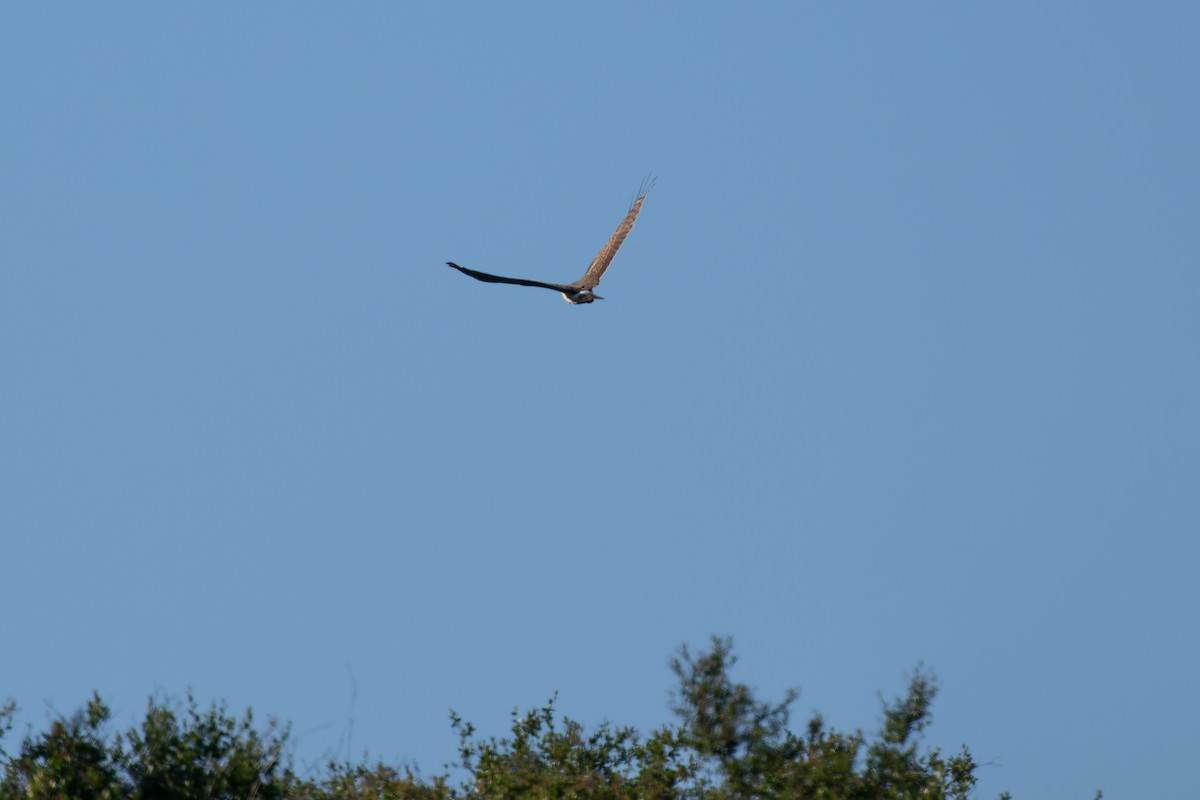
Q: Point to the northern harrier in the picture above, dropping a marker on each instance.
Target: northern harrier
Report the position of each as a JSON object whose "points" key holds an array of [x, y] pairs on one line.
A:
{"points": [[581, 290]]}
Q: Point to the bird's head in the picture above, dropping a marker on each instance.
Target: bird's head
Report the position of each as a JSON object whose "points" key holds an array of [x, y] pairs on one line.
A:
{"points": [[581, 296]]}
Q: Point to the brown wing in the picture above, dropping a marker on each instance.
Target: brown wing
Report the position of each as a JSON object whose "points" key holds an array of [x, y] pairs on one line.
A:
{"points": [[591, 278]]}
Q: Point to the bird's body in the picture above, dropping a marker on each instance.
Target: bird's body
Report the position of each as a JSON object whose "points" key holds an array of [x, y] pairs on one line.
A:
{"points": [[580, 291]]}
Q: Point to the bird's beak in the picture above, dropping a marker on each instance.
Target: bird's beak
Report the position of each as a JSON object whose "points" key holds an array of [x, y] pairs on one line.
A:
{"points": [[597, 297]]}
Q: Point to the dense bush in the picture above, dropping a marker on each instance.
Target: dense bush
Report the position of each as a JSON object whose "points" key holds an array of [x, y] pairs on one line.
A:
{"points": [[725, 744]]}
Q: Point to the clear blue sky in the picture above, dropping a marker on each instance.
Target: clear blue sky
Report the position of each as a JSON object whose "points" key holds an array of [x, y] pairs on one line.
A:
{"points": [[899, 365]]}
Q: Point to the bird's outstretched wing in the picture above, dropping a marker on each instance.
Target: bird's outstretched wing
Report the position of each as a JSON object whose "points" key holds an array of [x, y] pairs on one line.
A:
{"points": [[486, 278], [608, 252]]}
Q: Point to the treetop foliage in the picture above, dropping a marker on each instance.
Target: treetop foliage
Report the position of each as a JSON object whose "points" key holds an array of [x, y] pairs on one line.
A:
{"points": [[726, 744]]}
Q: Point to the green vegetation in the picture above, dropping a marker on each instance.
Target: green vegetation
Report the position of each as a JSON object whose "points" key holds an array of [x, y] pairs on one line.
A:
{"points": [[725, 745]]}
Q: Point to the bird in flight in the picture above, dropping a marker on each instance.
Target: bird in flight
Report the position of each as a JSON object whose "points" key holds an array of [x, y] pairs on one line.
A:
{"points": [[581, 290]]}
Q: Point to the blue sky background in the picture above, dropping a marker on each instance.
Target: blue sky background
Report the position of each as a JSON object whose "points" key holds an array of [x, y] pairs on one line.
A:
{"points": [[899, 365]]}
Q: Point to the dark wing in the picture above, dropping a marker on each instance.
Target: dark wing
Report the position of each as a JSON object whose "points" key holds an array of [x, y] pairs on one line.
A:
{"points": [[486, 278], [591, 278]]}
